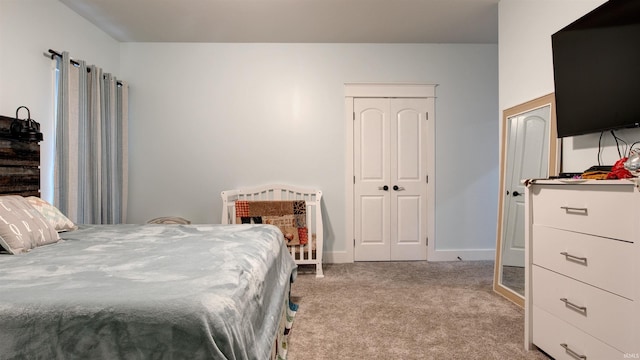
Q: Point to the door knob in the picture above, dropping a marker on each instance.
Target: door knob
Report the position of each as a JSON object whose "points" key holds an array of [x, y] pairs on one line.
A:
{"points": [[398, 188], [515, 193], [385, 188]]}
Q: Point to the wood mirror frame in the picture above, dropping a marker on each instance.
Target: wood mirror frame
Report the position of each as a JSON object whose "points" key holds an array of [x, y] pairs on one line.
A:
{"points": [[553, 166]]}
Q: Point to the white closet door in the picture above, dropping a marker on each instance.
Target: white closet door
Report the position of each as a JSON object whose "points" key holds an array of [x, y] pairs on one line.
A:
{"points": [[390, 163], [372, 175], [408, 179]]}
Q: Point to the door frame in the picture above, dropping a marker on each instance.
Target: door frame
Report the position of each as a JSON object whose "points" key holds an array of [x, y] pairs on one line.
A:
{"points": [[386, 90]]}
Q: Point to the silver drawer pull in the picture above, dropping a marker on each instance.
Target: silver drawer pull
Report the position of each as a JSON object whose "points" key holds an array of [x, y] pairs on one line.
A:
{"points": [[573, 353], [575, 210], [578, 259], [578, 308]]}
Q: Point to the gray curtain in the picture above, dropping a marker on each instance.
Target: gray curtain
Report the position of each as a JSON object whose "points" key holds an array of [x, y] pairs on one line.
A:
{"points": [[91, 166]]}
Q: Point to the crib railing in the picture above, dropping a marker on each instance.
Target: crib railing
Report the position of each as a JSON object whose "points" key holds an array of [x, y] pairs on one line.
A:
{"points": [[310, 253]]}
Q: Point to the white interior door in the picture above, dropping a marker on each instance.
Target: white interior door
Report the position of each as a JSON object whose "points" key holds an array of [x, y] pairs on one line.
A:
{"points": [[390, 184], [371, 179], [527, 158], [408, 179]]}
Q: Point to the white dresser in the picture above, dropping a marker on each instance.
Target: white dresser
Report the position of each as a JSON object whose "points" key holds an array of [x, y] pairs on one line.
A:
{"points": [[582, 268]]}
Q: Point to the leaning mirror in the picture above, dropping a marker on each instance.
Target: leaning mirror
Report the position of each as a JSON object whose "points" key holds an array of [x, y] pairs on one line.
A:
{"points": [[529, 151]]}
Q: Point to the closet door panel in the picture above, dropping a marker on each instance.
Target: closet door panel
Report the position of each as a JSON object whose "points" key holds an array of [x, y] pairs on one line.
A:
{"points": [[372, 174], [408, 133]]}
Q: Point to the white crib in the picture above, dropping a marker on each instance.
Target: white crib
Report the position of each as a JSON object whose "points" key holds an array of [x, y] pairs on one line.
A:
{"points": [[311, 253]]}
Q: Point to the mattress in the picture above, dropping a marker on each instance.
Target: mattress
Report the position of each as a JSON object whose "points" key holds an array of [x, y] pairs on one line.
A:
{"points": [[147, 292]]}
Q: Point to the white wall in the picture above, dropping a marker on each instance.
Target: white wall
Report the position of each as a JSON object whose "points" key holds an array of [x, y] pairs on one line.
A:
{"points": [[245, 114], [210, 117], [28, 28], [526, 67]]}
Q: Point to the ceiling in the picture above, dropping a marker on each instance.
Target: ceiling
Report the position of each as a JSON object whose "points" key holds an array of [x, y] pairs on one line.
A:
{"points": [[294, 21]]}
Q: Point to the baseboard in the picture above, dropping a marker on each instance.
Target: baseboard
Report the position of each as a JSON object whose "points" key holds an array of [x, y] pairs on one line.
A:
{"points": [[339, 257], [462, 255]]}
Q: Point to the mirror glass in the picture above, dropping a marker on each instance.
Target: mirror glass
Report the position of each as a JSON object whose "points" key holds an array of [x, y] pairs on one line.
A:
{"points": [[529, 151]]}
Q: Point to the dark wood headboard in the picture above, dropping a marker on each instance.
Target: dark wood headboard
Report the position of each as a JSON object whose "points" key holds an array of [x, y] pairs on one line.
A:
{"points": [[19, 163]]}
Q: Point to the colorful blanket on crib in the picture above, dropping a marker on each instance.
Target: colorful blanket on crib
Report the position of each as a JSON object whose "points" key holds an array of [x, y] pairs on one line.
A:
{"points": [[290, 216]]}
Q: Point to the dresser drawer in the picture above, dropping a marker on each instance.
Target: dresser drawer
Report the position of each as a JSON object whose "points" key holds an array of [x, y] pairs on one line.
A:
{"points": [[604, 315], [549, 333], [604, 210], [605, 263]]}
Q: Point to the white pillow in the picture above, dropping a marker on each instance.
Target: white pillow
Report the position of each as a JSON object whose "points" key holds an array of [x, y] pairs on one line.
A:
{"points": [[22, 227], [52, 214]]}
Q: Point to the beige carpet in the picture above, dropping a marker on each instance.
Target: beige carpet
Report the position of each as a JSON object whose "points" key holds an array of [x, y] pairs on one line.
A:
{"points": [[405, 310]]}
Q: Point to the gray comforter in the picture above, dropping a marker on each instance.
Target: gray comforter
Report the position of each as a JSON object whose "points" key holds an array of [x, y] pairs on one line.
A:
{"points": [[146, 292]]}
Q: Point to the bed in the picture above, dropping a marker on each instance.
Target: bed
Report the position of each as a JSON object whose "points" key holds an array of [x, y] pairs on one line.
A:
{"points": [[147, 291], [295, 210], [152, 291]]}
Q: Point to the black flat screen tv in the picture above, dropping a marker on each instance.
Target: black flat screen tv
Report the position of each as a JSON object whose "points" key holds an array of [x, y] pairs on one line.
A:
{"points": [[596, 68]]}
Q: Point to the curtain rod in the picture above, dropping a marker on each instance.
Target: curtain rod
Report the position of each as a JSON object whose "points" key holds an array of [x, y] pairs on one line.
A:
{"points": [[75, 63], [55, 53]]}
